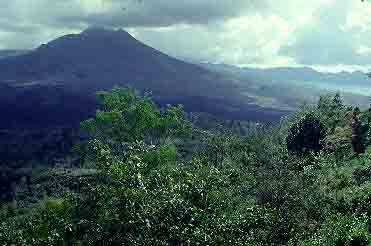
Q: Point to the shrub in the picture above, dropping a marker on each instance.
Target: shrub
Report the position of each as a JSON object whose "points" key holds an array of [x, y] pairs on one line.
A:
{"points": [[306, 135]]}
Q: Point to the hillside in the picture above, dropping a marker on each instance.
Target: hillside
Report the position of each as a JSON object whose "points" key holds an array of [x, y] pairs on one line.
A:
{"points": [[78, 65], [285, 74], [99, 58], [296, 84], [47, 92]]}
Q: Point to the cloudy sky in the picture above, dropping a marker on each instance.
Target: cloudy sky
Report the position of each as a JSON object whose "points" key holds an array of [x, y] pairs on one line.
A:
{"points": [[325, 34]]}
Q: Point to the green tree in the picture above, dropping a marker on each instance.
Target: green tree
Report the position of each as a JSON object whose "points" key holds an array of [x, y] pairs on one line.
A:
{"points": [[145, 197], [332, 111], [306, 135], [126, 117], [359, 133]]}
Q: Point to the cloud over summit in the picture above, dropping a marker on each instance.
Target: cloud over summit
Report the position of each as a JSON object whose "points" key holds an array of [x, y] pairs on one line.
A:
{"points": [[243, 32]]}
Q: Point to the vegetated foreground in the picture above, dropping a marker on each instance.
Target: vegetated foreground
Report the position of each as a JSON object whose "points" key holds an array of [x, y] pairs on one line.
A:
{"points": [[146, 176]]}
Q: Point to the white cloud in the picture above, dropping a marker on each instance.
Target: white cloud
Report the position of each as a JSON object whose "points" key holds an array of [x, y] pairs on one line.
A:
{"points": [[320, 33], [334, 37]]}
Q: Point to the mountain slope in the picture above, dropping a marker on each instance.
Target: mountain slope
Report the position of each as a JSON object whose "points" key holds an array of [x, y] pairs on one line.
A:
{"points": [[99, 59], [285, 74], [96, 59], [45, 93], [297, 84]]}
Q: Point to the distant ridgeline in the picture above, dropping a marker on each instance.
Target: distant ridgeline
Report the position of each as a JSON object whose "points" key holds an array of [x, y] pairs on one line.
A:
{"points": [[98, 59], [46, 92]]}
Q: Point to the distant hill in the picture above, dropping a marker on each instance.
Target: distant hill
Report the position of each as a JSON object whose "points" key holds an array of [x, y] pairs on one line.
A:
{"points": [[46, 92], [291, 74], [291, 86], [58, 80], [99, 58]]}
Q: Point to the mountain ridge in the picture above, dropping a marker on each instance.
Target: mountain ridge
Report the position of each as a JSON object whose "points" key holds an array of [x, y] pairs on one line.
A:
{"points": [[101, 58], [73, 67], [290, 73]]}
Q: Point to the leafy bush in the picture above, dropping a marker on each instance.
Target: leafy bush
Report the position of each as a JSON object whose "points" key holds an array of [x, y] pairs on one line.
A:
{"points": [[306, 135], [342, 230]]}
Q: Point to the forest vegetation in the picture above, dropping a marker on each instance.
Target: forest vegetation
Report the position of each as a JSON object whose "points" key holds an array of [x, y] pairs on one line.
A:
{"points": [[149, 175]]}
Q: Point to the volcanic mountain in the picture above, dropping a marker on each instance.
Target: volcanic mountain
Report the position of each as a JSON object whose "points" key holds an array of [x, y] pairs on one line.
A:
{"points": [[46, 92], [64, 74], [101, 58]]}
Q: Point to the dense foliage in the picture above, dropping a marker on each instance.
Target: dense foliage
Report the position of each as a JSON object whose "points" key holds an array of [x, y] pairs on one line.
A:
{"points": [[306, 135], [154, 179]]}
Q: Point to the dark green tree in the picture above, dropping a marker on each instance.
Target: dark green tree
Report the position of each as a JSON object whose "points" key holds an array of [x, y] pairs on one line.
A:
{"points": [[332, 111], [306, 135], [359, 133]]}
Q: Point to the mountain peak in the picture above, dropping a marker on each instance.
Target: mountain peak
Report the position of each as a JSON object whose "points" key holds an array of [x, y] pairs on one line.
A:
{"points": [[90, 40], [99, 58]]}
